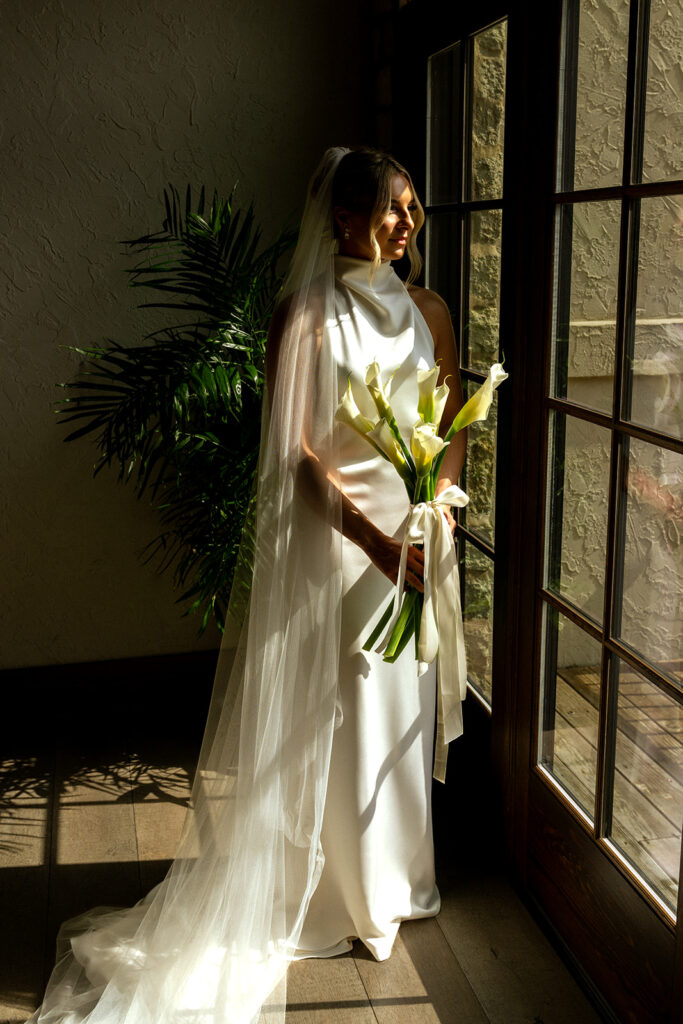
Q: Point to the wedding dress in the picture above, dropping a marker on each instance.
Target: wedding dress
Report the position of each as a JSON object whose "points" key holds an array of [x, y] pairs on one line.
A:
{"points": [[309, 820], [377, 829]]}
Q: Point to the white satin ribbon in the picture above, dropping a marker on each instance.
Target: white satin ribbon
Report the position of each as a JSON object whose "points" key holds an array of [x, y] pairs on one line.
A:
{"points": [[441, 629]]}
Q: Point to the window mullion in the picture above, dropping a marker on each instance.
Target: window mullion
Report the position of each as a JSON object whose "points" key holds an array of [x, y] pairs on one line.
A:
{"points": [[464, 255], [467, 93], [564, 178], [634, 135]]}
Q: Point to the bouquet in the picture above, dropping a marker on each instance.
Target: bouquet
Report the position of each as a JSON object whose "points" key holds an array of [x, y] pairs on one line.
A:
{"points": [[423, 616]]}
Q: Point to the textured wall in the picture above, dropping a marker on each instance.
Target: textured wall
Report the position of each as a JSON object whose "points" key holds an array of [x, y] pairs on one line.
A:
{"points": [[652, 571], [104, 104]]}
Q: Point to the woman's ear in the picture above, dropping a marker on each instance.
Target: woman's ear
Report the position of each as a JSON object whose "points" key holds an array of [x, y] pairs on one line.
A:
{"points": [[341, 220]]}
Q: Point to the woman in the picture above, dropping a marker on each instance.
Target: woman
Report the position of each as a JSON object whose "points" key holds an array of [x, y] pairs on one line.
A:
{"points": [[310, 816], [377, 834]]}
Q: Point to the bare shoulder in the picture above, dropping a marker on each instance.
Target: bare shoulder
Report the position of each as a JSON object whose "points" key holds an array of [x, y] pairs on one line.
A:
{"points": [[432, 306]]}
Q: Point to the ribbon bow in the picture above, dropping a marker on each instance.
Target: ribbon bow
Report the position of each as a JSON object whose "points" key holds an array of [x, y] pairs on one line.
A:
{"points": [[441, 629]]}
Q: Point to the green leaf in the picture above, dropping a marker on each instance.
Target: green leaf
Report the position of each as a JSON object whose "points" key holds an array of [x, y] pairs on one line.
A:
{"points": [[177, 414]]}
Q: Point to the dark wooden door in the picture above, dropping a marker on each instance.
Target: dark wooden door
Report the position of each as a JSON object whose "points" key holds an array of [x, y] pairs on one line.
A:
{"points": [[552, 170]]}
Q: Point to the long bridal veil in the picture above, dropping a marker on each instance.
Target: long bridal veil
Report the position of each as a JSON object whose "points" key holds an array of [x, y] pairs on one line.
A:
{"points": [[211, 943]]}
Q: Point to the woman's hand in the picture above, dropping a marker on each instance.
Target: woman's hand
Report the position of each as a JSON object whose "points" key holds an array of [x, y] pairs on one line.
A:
{"points": [[449, 519], [441, 484], [385, 553]]}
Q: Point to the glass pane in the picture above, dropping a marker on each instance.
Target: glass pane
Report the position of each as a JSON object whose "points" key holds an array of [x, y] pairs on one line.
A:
{"points": [[652, 559], [477, 614], [483, 300], [479, 476], [577, 496], [571, 703], [593, 140], [586, 271], [662, 154], [647, 813], [657, 399], [488, 112], [443, 261], [444, 132]]}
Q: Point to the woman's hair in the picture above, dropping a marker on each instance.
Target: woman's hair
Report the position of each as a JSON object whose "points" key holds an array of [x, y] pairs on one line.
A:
{"points": [[362, 183]]}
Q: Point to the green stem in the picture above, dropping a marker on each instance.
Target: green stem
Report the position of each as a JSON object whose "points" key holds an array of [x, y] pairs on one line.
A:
{"points": [[402, 644], [393, 426], [402, 623], [374, 636], [436, 465]]}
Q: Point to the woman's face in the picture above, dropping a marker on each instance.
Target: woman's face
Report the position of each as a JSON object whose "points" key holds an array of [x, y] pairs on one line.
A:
{"points": [[392, 234]]}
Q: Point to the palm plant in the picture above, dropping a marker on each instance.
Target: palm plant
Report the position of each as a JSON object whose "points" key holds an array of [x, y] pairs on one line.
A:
{"points": [[179, 414]]}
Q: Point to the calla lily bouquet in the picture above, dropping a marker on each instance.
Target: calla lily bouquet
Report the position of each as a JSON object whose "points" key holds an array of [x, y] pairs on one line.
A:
{"points": [[418, 463]]}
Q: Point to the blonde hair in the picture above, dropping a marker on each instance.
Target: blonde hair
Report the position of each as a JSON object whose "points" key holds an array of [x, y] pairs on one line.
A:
{"points": [[363, 182]]}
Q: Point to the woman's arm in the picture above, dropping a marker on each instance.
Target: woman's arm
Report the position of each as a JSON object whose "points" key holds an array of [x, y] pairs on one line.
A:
{"points": [[382, 550]]}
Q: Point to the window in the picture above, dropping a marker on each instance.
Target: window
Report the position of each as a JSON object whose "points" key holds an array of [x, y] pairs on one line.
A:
{"points": [[611, 705], [466, 104]]}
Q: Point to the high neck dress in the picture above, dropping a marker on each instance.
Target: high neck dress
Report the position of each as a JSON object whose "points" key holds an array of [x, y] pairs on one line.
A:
{"points": [[377, 824]]}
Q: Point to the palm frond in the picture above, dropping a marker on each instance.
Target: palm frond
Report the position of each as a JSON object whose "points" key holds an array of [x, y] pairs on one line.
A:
{"points": [[179, 414]]}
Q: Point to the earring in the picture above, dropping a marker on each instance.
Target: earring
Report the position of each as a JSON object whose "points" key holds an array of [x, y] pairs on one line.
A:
{"points": [[346, 234]]}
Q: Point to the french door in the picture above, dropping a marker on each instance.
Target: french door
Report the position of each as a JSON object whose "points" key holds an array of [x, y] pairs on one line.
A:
{"points": [[555, 228]]}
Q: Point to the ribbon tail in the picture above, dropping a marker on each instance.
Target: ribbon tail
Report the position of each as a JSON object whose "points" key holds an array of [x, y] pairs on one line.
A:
{"points": [[441, 743], [452, 666]]}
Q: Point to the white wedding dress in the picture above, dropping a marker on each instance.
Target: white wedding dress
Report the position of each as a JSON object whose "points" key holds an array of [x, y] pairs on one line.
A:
{"points": [[377, 827]]}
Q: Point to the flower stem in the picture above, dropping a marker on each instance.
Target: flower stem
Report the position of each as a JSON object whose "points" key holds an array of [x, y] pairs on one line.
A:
{"points": [[374, 636], [393, 426], [402, 627]]}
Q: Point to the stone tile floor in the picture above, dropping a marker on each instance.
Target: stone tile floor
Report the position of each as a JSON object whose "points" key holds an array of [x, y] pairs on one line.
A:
{"points": [[85, 822]]}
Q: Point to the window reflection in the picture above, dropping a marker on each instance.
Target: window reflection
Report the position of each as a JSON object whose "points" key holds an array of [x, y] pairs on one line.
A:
{"points": [[586, 280], [571, 707], [647, 811], [578, 492], [477, 616], [657, 366], [444, 143], [652, 604]]}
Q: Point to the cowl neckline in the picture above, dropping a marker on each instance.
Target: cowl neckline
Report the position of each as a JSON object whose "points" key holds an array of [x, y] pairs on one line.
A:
{"points": [[354, 272]]}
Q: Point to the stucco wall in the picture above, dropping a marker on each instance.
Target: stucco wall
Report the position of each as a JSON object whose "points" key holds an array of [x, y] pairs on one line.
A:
{"points": [[652, 574], [104, 104]]}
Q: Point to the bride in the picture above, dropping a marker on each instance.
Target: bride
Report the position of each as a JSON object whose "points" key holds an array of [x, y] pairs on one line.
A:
{"points": [[310, 818]]}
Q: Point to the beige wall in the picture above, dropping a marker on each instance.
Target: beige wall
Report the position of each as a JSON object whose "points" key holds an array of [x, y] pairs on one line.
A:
{"points": [[105, 102], [652, 568]]}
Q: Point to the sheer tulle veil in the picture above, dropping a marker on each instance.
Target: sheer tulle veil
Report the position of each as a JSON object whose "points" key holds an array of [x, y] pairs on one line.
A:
{"points": [[211, 943]]}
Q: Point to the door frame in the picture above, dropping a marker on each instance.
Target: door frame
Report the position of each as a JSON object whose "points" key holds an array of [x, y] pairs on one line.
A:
{"points": [[589, 907]]}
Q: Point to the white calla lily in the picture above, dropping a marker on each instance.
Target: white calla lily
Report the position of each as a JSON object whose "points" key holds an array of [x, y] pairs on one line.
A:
{"points": [[349, 413], [477, 407], [432, 400], [426, 384], [425, 445], [440, 399], [382, 437], [380, 392]]}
